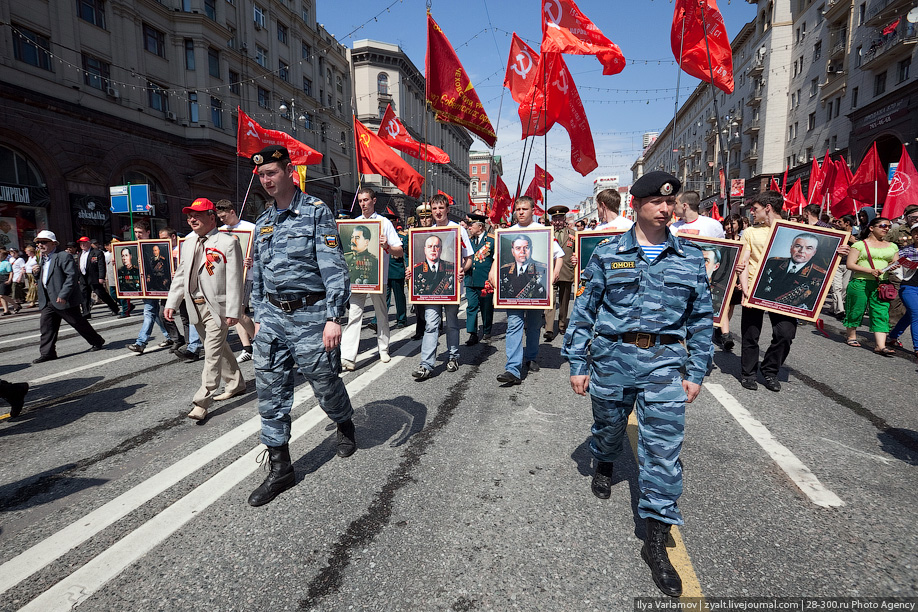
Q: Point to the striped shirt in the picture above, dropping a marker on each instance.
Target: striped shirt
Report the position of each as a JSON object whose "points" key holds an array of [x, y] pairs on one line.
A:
{"points": [[652, 252]]}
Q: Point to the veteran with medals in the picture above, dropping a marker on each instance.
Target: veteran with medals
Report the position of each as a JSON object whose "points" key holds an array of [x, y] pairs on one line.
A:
{"points": [[794, 280], [563, 284], [478, 291]]}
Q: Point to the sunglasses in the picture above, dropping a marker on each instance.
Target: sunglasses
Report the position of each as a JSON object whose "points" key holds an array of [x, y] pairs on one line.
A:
{"points": [[883, 225], [42, 242]]}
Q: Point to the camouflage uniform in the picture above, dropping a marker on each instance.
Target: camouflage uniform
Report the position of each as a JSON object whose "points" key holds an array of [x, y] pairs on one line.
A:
{"points": [[621, 292], [297, 254]]}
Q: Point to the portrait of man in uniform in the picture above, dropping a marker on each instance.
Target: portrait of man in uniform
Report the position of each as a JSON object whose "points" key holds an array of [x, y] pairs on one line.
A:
{"points": [[157, 267], [797, 270], [362, 253], [127, 281], [434, 273], [720, 259], [523, 279]]}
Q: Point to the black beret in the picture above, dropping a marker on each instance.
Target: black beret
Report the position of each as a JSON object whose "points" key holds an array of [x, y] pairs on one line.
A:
{"points": [[656, 183], [271, 154]]}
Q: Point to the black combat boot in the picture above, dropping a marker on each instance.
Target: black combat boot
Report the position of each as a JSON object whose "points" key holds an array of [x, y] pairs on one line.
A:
{"points": [[656, 557], [15, 394], [347, 443], [602, 480], [280, 477]]}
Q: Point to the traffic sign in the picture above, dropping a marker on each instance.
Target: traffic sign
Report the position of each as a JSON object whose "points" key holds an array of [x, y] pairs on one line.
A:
{"points": [[138, 202]]}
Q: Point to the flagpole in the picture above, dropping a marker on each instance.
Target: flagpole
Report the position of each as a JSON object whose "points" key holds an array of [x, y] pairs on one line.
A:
{"points": [[545, 137], [720, 139], [242, 206], [678, 82]]}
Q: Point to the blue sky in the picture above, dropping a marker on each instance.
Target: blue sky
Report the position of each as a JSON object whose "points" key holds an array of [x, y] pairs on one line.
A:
{"points": [[619, 107]]}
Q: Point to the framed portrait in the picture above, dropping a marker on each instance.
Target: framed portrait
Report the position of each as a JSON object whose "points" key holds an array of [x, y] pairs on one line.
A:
{"points": [[246, 239], [586, 244], [524, 259], [363, 253], [434, 265], [156, 268], [720, 260], [797, 270], [127, 269]]}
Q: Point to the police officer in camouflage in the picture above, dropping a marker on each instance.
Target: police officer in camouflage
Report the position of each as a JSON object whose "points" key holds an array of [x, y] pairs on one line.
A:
{"points": [[300, 299], [641, 336]]}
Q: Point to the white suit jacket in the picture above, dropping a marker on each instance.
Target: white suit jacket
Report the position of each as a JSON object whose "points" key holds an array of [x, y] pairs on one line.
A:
{"points": [[220, 281]]}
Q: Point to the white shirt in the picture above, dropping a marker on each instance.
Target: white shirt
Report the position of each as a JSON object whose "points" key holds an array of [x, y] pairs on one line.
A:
{"points": [[466, 241], [556, 251], [702, 226], [84, 257], [242, 225], [18, 269], [46, 266], [109, 258]]}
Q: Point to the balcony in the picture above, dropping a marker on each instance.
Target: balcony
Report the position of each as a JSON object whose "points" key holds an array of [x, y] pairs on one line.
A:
{"points": [[885, 49], [838, 42], [752, 157], [710, 136], [757, 67], [881, 12], [836, 80], [837, 10], [712, 118], [755, 98], [736, 144], [753, 127]]}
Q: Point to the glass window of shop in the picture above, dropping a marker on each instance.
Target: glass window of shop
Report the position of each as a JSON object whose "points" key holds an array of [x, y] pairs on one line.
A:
{"points": [[158, 218], [24, 199]]}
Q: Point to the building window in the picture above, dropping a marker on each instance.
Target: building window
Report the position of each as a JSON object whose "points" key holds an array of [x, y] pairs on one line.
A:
{"points": [[216, 111], [96, 72], [234, 82], [213, 62], [484, 186], [811, 120], [31, 48], [307, 120], [154, 41], [857, 56], [282, 33], [264, 98], [837, 106], [261, 56], [382, 84], [339, 83], [340, 106], [156, 97], [307, 86], [328, 77], [231, 41], [92, 11], [814, 87], [283, 70], [193, 108], [879, 84], [817, 50], [305, 15], [829, 112], [210, 9], [189, 54], [902, 69], [834, 143], [259, 14], [307, 53], [861, 12], [809, 154], [854, 97]]}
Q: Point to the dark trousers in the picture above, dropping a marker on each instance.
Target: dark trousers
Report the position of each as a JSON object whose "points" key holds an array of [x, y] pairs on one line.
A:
{"points": [[783, 331], [88, 289], [50, 324], [476, 303], [396, 289], [175, 332], [561, 308]]}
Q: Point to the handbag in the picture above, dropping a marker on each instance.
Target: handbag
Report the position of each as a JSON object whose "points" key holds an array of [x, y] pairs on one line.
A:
{"points": [[886, 291]]}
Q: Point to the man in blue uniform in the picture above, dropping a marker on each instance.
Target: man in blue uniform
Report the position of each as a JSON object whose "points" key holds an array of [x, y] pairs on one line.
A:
{"points": [[300, 298], [643, 313], [477, 288]]}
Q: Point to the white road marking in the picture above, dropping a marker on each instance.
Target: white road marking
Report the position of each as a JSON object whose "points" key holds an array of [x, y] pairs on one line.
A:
{"points": [[95, 326], [37, 557], [801, 475], [84, 582], [879, 458]]}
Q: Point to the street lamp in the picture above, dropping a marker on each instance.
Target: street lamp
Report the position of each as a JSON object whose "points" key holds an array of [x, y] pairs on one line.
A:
{"points": [[292, 108]]}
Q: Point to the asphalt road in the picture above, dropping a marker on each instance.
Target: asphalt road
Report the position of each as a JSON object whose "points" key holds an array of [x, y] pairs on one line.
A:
{"points": [[463, 495]]}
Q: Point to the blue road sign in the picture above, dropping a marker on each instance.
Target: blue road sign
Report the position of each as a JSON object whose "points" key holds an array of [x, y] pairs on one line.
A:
{"points": [[139, 199]]}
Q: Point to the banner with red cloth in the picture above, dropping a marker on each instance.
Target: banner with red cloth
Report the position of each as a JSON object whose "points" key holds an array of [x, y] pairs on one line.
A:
{"points": [[688, 36], [794, 200], [394, 134], [841, 203], [543, 177], [252, 138], [869, 184], [500, 196], [567, 30], [375, 157], [520, 76], [903, 191]]}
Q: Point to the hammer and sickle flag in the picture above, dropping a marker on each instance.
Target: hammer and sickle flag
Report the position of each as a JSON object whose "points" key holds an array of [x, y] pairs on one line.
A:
{"points": [[567, 30], [375, 157], [449, 90], [394, 134]]}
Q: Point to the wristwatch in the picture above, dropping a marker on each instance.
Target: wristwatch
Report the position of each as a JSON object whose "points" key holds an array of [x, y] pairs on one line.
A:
{"points": [[338, 320]]}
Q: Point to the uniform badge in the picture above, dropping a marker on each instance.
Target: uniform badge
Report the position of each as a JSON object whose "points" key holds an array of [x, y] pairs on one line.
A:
{"points": [[267, 230], [618, 265], [666, 189], [258, 159], [331, 240]]}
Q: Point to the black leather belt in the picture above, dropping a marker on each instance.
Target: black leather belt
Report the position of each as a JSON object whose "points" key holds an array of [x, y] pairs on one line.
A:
{"points": [[644, 341], [290, 305]]}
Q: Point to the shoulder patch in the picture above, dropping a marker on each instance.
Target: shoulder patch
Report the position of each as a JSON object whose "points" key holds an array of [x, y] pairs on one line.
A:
{"points": [[618, 265], [331, 240], [266, 230], [603, 242], [580, 290]]}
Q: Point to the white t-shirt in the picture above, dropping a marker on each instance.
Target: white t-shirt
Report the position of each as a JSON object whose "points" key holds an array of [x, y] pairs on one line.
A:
{"points": [[242, 225], [619, 222], [392, 239], [702, 226], [556, 251], [18, 270], [466, 241], [109, 265]]}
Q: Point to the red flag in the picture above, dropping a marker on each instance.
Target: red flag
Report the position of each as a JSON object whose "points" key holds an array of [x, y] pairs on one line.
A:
{"points": [[520, 75], [828, 176], [566, 30], [394, 134], [773, 186], [841, 203], [869, 184], [533, 190], [471, 204], [559, 102], [543, 177], [715, 213], [449, 89], [687, 18], [252, 138], [903, 191], [891, 28], [375, 157], [784, 182], [815, 190], [500, 196], [794, 199], [448, 197]]}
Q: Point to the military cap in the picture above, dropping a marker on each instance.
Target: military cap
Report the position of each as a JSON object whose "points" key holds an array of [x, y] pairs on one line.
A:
{"points": [[390, 216], [656, 183], [71, 245], [344, 213], [271, 154], [558, 209], [424, 210], [910, 209], [477, 217], [199, 205]]}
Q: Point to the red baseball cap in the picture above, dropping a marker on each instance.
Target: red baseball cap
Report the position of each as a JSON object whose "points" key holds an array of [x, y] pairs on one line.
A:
{"points": [[199, 205], [83, 239]]}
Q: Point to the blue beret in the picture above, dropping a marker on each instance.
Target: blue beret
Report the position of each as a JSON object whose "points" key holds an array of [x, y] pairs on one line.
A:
{"points": [[656, 183]]}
